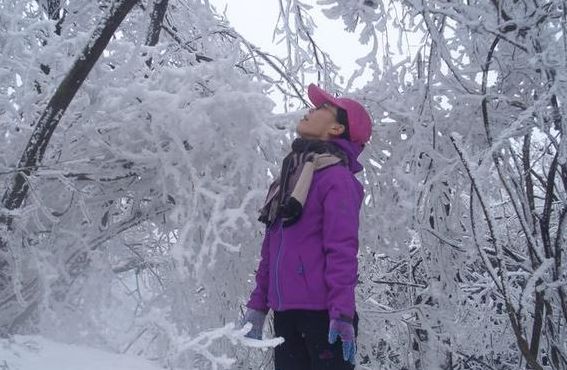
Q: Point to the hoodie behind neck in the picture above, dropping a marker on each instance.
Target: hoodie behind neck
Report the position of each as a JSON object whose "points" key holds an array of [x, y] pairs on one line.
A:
{"points": [[352, 151]]}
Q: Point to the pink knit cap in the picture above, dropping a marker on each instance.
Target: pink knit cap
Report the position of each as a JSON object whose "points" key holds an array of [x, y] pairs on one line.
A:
{"points": [[359, 121]]}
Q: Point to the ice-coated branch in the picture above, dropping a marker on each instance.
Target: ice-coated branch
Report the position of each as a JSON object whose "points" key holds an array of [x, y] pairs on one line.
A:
{"points": [[322, 65], [221, 218], [496, 276], [286, 76], [501, 278], [184, 45], [437, 37], [201, 344], [484, 104], [136, 219], [559, 246]]}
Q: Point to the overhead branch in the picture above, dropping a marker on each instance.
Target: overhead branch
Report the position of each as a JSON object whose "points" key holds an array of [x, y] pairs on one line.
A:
{"points": [[185, 45]]}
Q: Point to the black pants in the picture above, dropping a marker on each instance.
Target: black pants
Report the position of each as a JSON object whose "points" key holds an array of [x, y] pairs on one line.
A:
{"points": [[306, 345]]}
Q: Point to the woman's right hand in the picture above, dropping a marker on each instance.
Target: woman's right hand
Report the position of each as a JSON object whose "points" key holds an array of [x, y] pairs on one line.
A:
{"points": [[257, 319]]}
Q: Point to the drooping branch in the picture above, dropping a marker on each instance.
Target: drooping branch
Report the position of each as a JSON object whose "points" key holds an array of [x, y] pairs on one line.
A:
{"points": [[437, 38], [184, 45], [313, 45]]}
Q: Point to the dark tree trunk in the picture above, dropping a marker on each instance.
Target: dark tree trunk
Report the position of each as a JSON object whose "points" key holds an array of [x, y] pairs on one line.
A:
{"points": [[156, 20]]}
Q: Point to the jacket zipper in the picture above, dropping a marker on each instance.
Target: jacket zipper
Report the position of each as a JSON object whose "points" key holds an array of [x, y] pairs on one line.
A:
{"points": [[277, 269], [282, 190]]}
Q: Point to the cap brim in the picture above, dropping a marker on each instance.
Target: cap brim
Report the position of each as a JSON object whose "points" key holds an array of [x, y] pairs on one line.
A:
{"points": [[318, 96]]}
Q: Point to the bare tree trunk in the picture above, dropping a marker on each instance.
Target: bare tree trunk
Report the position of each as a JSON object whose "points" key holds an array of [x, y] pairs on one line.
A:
{"points": [[18, 188], [156, 23], [156, 20]]}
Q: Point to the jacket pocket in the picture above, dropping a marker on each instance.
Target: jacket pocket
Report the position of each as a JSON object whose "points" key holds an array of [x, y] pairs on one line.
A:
{"points": [[314, 281], [302, 271]]}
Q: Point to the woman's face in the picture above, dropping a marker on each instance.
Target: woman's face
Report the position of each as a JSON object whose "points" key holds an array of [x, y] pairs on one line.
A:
{"points": [[320, 123]]}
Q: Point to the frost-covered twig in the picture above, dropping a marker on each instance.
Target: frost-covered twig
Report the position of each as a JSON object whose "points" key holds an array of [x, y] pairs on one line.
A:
{"points": [[285, 76], [444, 53], [500, 278], [496, 277], [201, 344], [185, 45]]}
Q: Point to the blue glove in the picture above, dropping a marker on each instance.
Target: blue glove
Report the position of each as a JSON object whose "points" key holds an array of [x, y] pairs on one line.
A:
{"points": [[256, 318], [345, 330]]}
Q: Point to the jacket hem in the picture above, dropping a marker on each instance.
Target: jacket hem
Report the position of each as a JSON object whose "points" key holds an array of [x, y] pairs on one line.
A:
{"points": [[300, 306], [258, 307]]}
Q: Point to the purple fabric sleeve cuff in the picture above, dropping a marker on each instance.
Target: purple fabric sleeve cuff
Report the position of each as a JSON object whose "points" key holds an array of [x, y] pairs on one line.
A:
{"points": [[338, 315], [257, 306]]}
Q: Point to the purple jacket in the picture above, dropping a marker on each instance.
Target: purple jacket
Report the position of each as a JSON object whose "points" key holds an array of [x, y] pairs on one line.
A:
{"points": [[312, 264]]}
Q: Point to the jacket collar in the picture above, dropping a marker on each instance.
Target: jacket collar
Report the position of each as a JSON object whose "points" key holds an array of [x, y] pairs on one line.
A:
{"points": [[352, 150]]}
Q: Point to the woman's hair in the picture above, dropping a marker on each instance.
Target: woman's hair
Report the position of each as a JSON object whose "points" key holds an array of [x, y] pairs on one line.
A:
{"points": [[342, 119]]}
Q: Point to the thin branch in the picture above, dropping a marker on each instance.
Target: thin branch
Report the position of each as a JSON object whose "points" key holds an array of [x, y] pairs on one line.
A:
{"points": [[484, 103], [387, 282], [185, 45], [512, 314], [437, 38]]}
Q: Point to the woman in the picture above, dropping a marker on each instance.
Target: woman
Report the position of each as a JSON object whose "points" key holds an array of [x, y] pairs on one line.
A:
{"points": [[308, 268]]}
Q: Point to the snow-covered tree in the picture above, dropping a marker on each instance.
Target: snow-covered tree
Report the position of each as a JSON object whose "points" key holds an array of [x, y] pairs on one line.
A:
{"points": [[465, 220], [133, 172]]}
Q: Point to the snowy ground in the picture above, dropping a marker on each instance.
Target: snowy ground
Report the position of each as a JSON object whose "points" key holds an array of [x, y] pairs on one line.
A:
{"points": [[34, 353]]}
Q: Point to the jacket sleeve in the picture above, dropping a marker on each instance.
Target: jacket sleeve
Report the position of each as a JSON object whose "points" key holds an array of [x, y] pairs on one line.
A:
{"points": [[259, 296], [341, 207]]}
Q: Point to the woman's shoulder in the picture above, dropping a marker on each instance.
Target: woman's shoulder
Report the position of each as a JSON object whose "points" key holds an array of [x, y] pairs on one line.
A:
{"points": [[335, 170], [336, 175]]}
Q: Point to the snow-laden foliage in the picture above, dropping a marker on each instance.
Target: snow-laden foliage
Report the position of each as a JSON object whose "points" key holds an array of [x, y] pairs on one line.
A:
{"points": [[139, 230]]}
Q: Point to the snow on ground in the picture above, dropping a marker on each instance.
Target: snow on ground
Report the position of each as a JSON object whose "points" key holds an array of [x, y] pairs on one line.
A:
{"points": [[35, 353]]}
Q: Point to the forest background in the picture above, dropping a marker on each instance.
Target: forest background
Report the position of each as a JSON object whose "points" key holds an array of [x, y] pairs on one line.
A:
{"points": [[138, 139]]}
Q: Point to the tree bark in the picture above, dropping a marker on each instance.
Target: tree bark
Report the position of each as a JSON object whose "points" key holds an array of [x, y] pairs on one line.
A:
{"points": [[156, 20]]}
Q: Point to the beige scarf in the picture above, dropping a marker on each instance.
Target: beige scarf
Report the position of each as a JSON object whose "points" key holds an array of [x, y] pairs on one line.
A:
{"points": [[288, 193]]}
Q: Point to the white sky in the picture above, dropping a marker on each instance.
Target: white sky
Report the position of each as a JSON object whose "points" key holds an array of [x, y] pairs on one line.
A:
{"points": [[256, 19]]}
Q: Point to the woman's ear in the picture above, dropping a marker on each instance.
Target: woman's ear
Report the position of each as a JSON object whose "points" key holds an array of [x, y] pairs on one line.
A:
{"points": [[337, 129]]}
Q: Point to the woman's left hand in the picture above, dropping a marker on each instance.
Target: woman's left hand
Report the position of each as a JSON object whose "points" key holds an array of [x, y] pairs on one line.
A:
{"points": [[344, 330]]}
